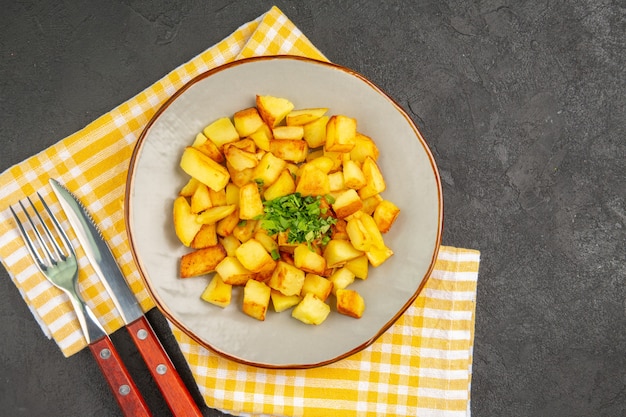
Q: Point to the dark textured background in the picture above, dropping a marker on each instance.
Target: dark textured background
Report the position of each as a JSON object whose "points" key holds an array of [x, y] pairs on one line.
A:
{"points": [[522, 103]]}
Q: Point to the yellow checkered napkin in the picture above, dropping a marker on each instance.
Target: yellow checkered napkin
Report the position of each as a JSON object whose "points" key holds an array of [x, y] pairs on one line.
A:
{"points": [[420, 367]]}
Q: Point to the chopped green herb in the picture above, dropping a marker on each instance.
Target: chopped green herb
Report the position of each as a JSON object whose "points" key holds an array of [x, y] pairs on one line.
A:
{"points": [[242, 223], [275, 254], [301, 217]]}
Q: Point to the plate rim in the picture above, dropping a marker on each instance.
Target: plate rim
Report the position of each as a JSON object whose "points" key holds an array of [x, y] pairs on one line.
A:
{"points": [[128, 210]]}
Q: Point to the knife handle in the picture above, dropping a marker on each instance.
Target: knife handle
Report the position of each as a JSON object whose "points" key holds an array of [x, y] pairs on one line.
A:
{"points": [[124, 389], [167, 378]]}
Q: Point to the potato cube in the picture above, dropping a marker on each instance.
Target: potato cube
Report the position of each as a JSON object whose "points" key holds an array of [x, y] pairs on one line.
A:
{"points": [[247, 121], [323, 163], [256, 299], [312, 181], [363, 147], [294, 150], [377, 256], [347, 203], [218, 198], [231, 193], [265, 274], [262, 137], [268, 243], [217, 292], [233, 272], [269, 169], [201, 261], [273, 109], [370, 204], [311, 310], [359, 266], [304, 116], [340, 134], [210, 149], [308, 260], [372, 229], [341, 278], [283, 186], [317, 285], [225, 226], [350, 303], [204, 169], [337, 158], [338, 252], [201, 199], [287, 279], [282, 302], [205, 237], [186, 225], [250, 203], [245, 144], [288, 132], [385, 215], [244, 230], [359, 236], [240, 178], [315, 132], [253, 256], [335, 181], [189, 188], [352, 175], [215, 214], [221, 132], [240, 159], [230, 243], [375, 183]]}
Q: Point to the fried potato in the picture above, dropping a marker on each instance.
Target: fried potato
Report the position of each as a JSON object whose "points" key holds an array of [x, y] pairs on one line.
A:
{"points": [[256, 299], [385, 214], [304, 116], [273, 109], [350, 303], [340, 134], [217, 292], [204, 169], [253, 256], [201, 261], [186, 225], [311, 310], [221, 132]]}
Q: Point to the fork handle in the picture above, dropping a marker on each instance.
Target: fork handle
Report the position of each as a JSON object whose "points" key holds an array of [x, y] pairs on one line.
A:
{"points": [[167, 378], [124, 389]]}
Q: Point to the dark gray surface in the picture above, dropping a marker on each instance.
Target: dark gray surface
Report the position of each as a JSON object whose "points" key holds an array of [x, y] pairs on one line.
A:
{"points": [[522, 104]]}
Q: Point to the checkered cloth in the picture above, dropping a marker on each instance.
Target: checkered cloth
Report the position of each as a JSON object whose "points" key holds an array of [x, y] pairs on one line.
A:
{"points": [[420, 366]]}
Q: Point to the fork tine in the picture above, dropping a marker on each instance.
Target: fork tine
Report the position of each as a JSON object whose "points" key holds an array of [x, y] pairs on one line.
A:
{"points": [[59, 229], [51, 257], [29, 243]]}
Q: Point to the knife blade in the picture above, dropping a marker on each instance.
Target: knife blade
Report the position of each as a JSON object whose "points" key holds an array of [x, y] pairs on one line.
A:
{"points": [[99, 254]]}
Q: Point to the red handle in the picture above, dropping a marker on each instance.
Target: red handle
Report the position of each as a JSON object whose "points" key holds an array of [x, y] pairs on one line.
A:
{"points": [[124, 389], [167, 378]]}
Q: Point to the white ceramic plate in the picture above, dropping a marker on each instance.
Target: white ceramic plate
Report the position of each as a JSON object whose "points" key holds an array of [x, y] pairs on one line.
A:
{"points": [[280, 341]]}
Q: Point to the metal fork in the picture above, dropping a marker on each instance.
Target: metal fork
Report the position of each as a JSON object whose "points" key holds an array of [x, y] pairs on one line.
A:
{"points": [[54, 255]]}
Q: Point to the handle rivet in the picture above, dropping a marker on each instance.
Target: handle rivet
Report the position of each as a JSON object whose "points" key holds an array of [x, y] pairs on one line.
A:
{"points": [[124, 389], [161, 369], [142, 334], [105, 353]]}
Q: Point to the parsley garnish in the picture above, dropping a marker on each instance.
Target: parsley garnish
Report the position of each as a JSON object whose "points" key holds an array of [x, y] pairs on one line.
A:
{"points": [[303, 218]]}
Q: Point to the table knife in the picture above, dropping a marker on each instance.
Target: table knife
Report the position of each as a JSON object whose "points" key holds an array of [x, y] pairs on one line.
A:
{"points": [[98, 253]]}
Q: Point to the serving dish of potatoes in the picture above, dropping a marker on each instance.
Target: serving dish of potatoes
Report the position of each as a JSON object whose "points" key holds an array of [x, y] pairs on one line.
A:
{"points": [[283, 212]]}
